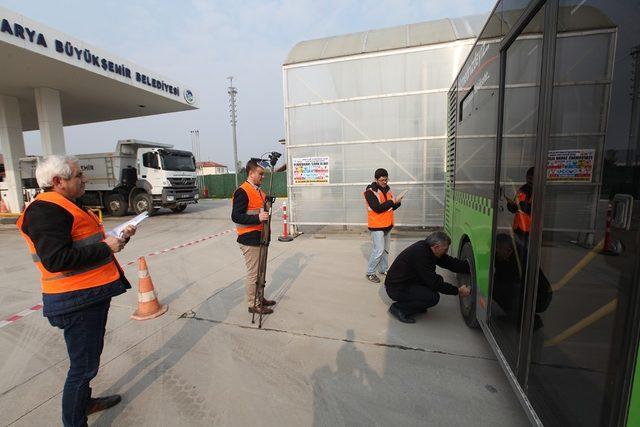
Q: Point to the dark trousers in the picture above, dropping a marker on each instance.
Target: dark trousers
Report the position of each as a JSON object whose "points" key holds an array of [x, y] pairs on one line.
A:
{"points": [[413, 299], [84, 335]]}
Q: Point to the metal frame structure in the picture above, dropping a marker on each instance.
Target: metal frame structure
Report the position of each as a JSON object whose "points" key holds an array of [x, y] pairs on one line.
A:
{"points": [[436, 194]]}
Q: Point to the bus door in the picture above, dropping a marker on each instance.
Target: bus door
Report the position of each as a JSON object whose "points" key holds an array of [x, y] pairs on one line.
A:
{"points": [[583, 335], [564, 296], [521, 76]]}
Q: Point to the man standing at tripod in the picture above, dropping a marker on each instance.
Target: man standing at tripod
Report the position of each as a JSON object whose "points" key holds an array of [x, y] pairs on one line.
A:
{"points": [[249, 216]]}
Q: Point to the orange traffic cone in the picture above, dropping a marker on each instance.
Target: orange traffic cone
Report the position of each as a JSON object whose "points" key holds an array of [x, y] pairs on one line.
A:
{"points": [[148, 305]]}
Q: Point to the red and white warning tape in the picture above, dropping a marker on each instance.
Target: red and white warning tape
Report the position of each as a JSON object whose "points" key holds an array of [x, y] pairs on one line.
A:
{"points": [[38, 307], [18, 316], [184, 245]]}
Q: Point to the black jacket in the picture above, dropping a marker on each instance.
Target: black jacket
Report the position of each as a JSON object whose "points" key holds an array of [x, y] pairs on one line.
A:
{"points": [[416, 265], [49, 228], [376, 206], [239, 216]]}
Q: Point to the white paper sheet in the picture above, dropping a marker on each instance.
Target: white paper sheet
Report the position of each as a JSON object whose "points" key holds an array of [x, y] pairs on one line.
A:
{"points": [[117, 231]]}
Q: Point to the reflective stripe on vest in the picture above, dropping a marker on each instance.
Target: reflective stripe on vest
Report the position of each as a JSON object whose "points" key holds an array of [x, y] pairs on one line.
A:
{"points": [[522, 220], [379, 220], [256, 203], [86, 230]]}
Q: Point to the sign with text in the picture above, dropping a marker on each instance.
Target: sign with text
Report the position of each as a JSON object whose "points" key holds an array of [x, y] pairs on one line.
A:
{"points": [[38, 38], [570, 165], [311, 170]]}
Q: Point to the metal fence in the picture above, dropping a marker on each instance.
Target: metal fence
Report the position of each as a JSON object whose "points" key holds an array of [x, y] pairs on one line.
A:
{"points": [[222, 186]]}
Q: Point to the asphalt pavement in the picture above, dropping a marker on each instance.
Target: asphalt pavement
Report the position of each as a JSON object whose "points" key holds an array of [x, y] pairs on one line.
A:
{"points": [[330, 355]]}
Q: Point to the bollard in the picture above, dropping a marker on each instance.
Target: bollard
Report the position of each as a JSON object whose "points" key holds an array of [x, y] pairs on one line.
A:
{"points": [[285, 228]]}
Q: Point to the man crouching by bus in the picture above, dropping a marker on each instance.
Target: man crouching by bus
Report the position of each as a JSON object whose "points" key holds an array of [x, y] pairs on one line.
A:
{"points": [[79, 273], [412, 281]]}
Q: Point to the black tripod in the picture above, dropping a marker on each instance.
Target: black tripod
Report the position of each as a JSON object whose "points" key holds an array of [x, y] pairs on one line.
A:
{"points": [[265, 238]]}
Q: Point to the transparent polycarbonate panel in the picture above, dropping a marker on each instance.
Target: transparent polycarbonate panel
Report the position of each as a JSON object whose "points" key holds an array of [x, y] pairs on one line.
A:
{"points": [[422, 206], [371, 119], [378, 75], [406, 161], [414, 165]]}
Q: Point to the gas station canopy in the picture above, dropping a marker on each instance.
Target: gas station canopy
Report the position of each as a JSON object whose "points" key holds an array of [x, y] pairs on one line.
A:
{"points": [[49, 80], [94, 85]]}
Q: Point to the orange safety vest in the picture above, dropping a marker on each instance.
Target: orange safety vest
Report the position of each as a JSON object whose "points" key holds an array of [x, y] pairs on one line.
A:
{"points": [[522, 220], [256, 202], [86, 230], [379, 220]]}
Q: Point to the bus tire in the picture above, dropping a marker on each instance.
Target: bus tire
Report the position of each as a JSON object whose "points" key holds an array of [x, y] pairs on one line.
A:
{"points": [[468, 304], [116, 204]]}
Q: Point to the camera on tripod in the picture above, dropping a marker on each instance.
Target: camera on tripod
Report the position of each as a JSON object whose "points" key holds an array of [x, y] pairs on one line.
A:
{"points": [[270, 161]]}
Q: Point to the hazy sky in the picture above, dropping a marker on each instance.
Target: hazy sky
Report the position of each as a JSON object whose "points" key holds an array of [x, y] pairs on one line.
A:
{"points": [[200, 43]]}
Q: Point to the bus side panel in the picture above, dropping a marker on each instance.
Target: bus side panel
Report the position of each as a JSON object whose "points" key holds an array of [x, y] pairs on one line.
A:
{"points": [[634, 405], [473, 220]]}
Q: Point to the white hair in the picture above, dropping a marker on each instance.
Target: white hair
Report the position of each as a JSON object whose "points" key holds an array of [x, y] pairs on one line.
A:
{"points": [[52, 166]]}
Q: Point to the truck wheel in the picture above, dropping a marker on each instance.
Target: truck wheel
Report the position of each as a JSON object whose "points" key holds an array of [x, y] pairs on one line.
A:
{"points": [[468, 304], [116, 205], [142, 202], [179, 208]]}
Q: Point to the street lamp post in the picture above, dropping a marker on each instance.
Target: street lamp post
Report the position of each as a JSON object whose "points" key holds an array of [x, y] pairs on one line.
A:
{"points": [[232, 91]]}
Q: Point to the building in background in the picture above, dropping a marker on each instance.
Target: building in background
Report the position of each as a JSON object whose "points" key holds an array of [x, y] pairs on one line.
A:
{"points": [[211, 168], [362, 101]]}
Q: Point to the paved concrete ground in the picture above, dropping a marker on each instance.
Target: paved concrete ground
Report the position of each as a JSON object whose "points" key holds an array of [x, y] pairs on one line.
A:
{"points": [[330, 355]]}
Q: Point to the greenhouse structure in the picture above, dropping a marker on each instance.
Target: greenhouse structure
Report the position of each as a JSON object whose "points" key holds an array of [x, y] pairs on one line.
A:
{"points": [[362, 101]]}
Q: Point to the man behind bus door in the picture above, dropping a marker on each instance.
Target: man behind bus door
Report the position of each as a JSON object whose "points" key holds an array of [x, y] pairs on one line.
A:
{"points": [[520, 206], [249, 216]]}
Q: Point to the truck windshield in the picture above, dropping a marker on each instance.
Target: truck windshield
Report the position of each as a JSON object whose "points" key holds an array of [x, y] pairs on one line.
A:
{"points": [[178, 162]]}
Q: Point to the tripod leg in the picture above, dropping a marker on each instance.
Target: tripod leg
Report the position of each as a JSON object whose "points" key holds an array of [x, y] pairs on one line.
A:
{"points": [[261, 299]]}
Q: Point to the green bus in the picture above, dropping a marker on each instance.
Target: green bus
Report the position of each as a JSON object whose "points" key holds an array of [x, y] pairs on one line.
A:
{"points": [[547, 107]]}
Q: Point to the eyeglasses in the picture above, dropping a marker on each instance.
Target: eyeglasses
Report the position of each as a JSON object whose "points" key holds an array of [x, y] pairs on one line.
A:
{"points": [[79, 175]]}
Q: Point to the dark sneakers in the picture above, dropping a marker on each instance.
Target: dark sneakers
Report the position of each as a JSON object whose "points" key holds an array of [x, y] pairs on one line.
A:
{"points": [[101, 403], [373, 278], [268, 302], [401, 316]]}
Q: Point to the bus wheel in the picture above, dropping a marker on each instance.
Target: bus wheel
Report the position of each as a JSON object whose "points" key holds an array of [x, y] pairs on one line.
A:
{"points": [[468, 304]]}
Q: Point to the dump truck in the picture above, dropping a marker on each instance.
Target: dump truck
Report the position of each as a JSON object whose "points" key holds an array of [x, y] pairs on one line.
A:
{"points": [[138, 176]]}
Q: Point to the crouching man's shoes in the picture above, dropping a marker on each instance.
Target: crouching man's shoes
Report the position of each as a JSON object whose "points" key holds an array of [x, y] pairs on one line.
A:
{"points": [[101, 403], [260, 310], [404, 318]]}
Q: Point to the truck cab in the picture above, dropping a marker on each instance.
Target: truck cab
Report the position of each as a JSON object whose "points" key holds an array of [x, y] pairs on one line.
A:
{"points": [[168, 176]]}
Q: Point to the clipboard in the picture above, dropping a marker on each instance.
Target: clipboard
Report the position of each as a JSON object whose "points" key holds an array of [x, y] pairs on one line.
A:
{"points": [[402, 194]]}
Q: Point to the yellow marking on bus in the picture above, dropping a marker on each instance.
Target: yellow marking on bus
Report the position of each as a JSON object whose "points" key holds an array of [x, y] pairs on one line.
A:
{"points": [[577, 327]]}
